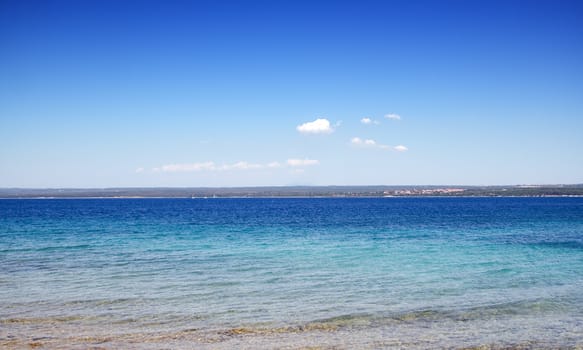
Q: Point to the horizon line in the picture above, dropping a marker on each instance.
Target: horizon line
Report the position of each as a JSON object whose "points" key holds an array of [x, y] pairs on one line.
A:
{"points": [[286, 186]]}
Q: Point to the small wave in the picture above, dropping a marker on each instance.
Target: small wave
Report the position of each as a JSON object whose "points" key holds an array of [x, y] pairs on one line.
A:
{"points": [[484, 312], [323, 325], [420, 315], [37, 320], [562, 245], [361, 321], [47, 249], [516, 308]]}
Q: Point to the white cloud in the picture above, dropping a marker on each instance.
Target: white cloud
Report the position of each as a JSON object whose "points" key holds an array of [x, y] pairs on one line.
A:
{"points": [[368, 121], [174, 168], [368, 143], [302, 162], [241, 166], [212, 166], [393, 116], [357, 141], [318, 126], [274, 165], [139, 170], [207, 166]]}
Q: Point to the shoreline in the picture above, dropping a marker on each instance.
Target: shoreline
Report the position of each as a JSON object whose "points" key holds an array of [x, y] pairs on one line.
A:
{"points": [[400, 334]]}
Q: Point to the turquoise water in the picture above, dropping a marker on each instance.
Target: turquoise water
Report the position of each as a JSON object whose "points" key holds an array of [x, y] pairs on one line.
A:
{"points": [[272, 273]]}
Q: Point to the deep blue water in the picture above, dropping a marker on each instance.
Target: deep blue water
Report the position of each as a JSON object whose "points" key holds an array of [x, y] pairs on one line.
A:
{"points": [[510, 267]]}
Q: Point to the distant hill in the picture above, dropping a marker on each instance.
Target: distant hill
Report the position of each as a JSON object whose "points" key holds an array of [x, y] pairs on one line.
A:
{"points": [[299, 191]]}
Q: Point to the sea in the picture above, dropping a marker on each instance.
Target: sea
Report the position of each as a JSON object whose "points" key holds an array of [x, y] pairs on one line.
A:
{"points": [[292, 273]]}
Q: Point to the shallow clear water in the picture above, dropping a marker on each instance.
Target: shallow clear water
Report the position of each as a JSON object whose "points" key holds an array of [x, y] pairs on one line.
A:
{"points": [[269, 273]]}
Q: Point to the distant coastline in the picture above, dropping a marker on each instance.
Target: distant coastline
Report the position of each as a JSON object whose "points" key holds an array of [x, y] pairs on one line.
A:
{"points": [[572, 190]]}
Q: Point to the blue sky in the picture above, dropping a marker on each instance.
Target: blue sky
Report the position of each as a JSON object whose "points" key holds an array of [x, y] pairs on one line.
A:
{"points": [[250, 93]]}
